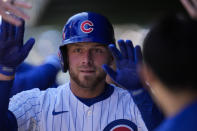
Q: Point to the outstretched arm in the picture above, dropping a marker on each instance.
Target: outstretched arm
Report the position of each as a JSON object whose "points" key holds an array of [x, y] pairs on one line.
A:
{"points": [[12, 53], [127, 77]]}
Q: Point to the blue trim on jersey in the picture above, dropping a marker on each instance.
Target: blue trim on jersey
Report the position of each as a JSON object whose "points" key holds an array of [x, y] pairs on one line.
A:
{"points": [[90, 101]]}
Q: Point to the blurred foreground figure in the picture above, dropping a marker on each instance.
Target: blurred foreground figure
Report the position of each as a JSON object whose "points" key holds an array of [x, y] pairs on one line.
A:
{"points": [[10, 10], [169, 69]]}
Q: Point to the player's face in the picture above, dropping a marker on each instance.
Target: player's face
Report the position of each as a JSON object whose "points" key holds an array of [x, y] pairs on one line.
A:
{"points": [[85, 61]]}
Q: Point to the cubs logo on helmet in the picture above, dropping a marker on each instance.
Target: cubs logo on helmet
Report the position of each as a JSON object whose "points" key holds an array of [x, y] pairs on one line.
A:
{"points": [[87, 26]]}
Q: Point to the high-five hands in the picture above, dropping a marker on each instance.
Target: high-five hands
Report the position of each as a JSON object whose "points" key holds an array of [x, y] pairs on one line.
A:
{"points": [[9, 9], [126, 62], [12, 50]]}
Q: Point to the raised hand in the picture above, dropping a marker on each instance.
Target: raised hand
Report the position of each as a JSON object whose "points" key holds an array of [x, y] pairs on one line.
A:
{"points": [[11, 8], [126, 62], [12, 50]]}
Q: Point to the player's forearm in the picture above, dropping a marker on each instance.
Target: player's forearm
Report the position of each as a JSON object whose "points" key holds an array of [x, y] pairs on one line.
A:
{"points": [[149, 111], [5, 77], [5, 87]]}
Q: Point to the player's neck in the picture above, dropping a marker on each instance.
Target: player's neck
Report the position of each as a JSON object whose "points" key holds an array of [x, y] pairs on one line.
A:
{"points": [[87, 92], [173, 102]]}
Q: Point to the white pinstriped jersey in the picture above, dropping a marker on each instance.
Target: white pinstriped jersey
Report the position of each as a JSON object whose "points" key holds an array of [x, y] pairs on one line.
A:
{"points": [[57, 109]]}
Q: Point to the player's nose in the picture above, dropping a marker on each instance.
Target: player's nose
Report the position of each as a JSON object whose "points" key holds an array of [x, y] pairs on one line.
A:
{"points": [[87, 57]]}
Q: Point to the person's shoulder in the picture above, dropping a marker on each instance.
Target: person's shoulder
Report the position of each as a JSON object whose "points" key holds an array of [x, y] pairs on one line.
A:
{"points": [[120, 91], [57, 90], [36, 96], [25, 97], [27, 94]]}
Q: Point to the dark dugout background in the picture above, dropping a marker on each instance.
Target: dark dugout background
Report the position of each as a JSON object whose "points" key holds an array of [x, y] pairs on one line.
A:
{"points": [[118, 11]]}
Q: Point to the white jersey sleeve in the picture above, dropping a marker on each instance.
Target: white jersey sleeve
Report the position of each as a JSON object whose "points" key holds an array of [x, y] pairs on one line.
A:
{"points": [[26, 107]]}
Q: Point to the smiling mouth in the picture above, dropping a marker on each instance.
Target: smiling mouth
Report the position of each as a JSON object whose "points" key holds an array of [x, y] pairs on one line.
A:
{"points": [[87, 71]]}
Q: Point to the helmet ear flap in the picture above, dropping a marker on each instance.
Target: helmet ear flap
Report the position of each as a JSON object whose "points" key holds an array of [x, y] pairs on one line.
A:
{"points": [[63, 58]]}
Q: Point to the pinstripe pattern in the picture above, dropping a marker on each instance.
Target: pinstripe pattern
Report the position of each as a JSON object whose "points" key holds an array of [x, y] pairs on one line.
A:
{"points": [[101, 115], [34, 110]]}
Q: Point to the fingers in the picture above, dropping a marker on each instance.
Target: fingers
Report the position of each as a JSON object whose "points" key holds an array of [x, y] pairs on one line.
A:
{"points": [[130, 50], [11, 32], [123, 48], [191, 8], [4, 30], [9, 18], [138, 54], [20, 32], [115, 52], [16, 11], [26, 48], [109, 71], [22, 4]]}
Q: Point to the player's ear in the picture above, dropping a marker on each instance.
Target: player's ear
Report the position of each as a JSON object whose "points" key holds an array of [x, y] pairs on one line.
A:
{"points": [[148, 77]]}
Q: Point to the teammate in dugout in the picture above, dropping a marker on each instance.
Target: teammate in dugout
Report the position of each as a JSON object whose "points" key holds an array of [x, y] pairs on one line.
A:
{"points": [[86, 102], [170, 70]]}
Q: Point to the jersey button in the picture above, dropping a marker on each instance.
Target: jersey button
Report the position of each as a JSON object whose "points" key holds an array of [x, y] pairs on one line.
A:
{"points": [[89, 113]]}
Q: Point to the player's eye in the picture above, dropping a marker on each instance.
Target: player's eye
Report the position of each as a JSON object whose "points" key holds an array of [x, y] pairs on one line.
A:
{"points": [[77, 50], [98, 50]]}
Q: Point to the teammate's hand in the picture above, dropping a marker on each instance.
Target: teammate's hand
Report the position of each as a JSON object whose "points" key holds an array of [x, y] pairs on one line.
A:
{"points": [[14, 8], [126, 62], [191, 7], [12, 50]]}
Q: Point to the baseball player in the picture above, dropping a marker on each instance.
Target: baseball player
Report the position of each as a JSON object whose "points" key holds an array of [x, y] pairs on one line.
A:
{"points": [[86, 102]]}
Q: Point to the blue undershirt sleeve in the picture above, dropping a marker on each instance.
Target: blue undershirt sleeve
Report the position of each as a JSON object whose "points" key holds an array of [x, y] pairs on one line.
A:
{"points": [[149, 111], [7, 120]]}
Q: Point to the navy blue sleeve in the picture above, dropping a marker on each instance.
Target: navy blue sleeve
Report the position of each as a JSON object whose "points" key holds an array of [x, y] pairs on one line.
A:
{"points": [[42, 77], [7, 119], [149, 111]]}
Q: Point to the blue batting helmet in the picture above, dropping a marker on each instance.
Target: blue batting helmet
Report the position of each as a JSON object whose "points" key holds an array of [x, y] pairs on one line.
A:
{"points": [[85, 27]]}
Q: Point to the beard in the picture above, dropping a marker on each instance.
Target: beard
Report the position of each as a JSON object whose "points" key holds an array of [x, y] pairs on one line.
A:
{"points": [[88, 81]]}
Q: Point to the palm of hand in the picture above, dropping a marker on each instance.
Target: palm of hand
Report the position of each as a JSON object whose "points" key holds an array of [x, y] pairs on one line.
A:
{"points": [[127, 74], [126, 62], [12, 50]]}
